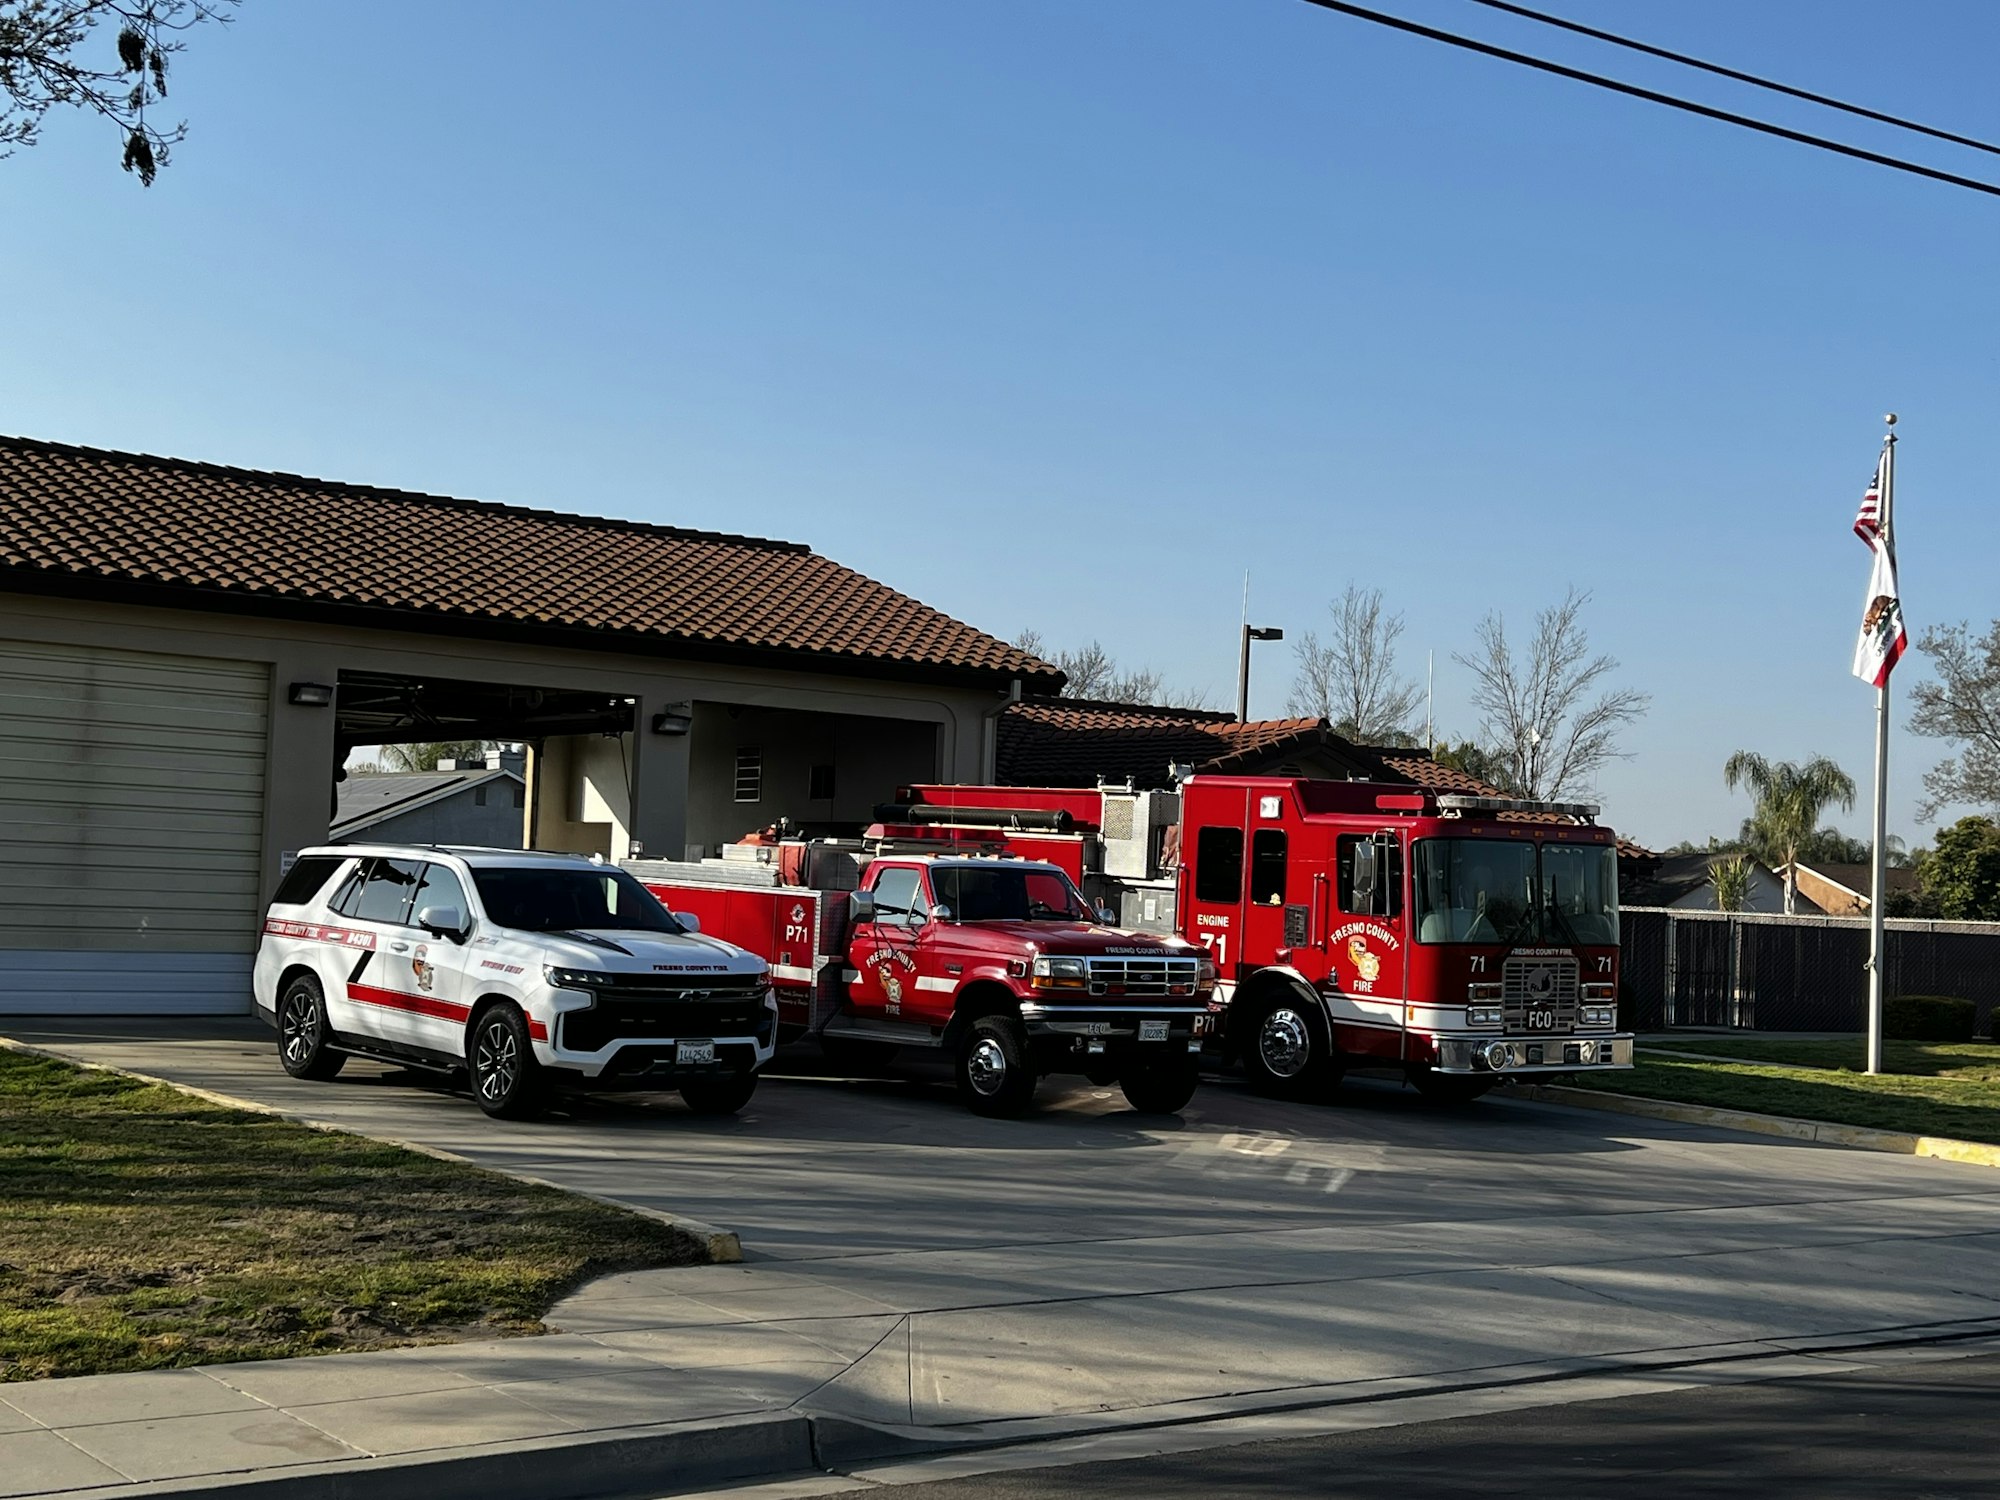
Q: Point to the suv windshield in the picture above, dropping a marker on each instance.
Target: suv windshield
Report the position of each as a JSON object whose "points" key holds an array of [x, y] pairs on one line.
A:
{"points": [[1008, 893], [566, 900], [1504, 891]]}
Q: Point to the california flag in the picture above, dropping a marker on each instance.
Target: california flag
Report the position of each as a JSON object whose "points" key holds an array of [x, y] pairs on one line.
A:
{"points": [[1882, 638]]}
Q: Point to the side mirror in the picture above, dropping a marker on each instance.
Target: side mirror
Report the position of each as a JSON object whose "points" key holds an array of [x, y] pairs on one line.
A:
{"points": [[1107, 916], [940, 913], [1366, 858], [688, 920], [445, 921], [861, 907]]}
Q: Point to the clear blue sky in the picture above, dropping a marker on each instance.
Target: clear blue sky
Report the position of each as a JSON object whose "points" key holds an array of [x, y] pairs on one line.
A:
{"points": [[1064, 315]]}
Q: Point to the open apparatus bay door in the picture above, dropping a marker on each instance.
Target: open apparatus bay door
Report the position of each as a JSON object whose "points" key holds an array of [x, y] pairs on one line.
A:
{"points": [[1461, 940]]}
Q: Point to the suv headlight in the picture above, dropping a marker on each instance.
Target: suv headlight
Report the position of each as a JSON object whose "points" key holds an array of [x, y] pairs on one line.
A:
{"points": [[1061, 974], [1482, 1015], [571, 979]]}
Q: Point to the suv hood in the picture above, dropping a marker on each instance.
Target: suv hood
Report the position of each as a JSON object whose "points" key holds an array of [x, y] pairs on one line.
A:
{"points": [[646, 953], [1084, 940]]}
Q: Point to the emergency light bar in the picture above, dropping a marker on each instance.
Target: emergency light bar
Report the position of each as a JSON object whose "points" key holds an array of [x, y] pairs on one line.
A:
{"points": [[1458, 802]]}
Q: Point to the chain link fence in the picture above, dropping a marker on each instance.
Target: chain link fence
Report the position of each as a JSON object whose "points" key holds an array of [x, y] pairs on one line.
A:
{"points": [[1774, 973]]}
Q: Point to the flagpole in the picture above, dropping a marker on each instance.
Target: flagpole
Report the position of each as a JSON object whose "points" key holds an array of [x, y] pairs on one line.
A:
{"points": [[1880, 861]]}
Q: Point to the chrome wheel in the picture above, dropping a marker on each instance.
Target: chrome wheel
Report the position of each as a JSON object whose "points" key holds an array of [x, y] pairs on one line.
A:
{"points": [[299, 1028], [497, 1061], [986, 1067], [1284, 1043]]}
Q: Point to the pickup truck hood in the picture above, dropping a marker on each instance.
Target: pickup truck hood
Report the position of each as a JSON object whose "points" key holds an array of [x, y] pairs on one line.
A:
{"points": [[624, 952], [1082, 940]]}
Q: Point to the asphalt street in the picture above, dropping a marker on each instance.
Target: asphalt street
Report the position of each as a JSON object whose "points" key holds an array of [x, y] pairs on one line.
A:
{"points": [[1915, 1430]]}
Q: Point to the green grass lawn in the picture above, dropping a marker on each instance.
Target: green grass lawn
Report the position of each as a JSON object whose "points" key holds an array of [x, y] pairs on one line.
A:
{"points": [[1933, 1088], [142, 1227]]}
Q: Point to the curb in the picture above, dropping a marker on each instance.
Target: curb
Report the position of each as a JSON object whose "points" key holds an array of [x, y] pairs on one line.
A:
{"points": [[654, 1460], [1819, 1132], [720, 1246]]}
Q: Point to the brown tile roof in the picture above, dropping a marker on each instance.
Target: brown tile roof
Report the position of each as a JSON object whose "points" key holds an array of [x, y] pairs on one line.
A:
{"points": [[170, 531], [1074, 742]]}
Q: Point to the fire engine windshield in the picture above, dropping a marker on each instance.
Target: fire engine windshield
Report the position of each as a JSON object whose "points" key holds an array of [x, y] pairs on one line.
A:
{"points": [[1501, 891], [1008, 893], [568, 900]]}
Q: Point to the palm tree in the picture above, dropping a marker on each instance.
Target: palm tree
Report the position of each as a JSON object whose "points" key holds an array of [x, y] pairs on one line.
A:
{"points": [[1790, 799]]}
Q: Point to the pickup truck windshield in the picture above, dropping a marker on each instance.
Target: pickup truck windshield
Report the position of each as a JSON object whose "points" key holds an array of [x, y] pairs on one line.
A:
{"points": [[1503, 891], [569, 900], [1006, 893]]}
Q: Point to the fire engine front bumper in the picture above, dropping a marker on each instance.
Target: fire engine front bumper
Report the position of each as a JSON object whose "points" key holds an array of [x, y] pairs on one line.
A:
{"points": [[1531, 1055]]}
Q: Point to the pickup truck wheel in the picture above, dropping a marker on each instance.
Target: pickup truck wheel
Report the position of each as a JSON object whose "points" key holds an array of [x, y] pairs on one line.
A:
{"points": [[302, 1032], [719, 1096], [1284, 1054], [506, 1078], [995, 1076], [1451, 1088], [1160, 1088]]}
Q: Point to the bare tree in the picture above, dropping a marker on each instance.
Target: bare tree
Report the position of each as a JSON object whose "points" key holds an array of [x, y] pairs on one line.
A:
{"points": [[425, 756], [1094, 673], [1349, 677], [1962, 705], [42, 65], [1545, 718]]}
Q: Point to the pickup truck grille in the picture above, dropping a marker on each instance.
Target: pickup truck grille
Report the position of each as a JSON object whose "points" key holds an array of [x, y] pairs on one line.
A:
{"points": [[1144, 978], [1538, 996], [689, 1007]]}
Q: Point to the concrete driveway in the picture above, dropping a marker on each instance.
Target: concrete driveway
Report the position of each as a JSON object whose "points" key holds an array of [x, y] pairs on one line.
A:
{"points": [[914, 1266]]}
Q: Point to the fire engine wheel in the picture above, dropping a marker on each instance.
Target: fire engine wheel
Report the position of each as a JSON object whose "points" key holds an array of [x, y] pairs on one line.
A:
{"points": [[506, 1078], [995, 1076], [719, 1096], [1451, 1088], [1284, 1054], [1160, 1088], [302, 1032]]}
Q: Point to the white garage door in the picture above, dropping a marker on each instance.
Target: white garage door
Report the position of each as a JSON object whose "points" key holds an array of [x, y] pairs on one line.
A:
{"points": [[131, 820]]}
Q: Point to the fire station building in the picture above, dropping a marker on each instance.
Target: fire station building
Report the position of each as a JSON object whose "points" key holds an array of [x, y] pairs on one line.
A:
{"points": [[191, 654]]}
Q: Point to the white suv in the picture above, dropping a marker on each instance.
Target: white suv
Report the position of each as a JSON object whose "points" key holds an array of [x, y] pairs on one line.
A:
{"points": [[529, 972]]}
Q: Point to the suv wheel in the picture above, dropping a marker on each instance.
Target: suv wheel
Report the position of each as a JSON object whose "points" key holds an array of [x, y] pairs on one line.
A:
{"points": [[719, 1096], [302, 1032], [1283, 1055], [506, 1079], [1160, 1088], [994, 1074]]}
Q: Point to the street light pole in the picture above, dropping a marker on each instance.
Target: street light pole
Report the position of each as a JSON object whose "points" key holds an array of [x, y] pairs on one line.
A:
{"points": [[1250, 633]]}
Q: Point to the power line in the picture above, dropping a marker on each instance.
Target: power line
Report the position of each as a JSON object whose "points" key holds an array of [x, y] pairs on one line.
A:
{"points": [[1597, 80], [1751, 78]]}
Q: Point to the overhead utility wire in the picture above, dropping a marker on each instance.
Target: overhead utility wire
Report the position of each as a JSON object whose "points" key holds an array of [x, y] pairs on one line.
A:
{"points": [[1451, 39], [1751, 78]]}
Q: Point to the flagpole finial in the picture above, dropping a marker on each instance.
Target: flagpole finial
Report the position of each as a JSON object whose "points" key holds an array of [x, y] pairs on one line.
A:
{"points": [[1890, 419]]}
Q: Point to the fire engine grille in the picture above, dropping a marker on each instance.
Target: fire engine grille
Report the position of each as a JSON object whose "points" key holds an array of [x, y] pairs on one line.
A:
{"points": [[1143, 977], [627, 1014], [1538, 995]]}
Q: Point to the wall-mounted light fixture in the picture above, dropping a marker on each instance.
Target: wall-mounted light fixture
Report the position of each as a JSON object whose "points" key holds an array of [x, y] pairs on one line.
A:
{"points": [[676, 718], [311, 694]]}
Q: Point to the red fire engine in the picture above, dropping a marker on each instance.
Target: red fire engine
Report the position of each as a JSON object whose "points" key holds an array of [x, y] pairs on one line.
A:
{"points": [[1458, 939]]}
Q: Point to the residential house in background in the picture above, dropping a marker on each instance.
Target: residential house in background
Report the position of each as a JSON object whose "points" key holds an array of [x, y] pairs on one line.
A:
{"points": [[477, 802], [1683, 882], [1842, 890]]}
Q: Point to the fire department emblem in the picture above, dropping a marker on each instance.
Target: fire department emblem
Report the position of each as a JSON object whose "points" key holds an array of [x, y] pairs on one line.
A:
{"points": [[421, 966], [1366, 965], [1541, 984], [798, 913]]}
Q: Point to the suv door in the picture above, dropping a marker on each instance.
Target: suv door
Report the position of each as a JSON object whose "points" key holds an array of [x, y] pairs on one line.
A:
{"points": [[438, 964], [884, 951], [381, 988]]}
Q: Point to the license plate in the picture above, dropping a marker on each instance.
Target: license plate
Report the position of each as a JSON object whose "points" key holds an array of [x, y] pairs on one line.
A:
{"points": [[1541, 1020], [1152, 1031], [686, 1053]]}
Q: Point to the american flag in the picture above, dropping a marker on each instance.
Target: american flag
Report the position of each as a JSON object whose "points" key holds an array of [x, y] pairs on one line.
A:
{"points": [[1868, 525]]}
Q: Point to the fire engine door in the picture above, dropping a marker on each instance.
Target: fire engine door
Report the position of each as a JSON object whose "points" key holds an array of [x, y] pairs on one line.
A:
{"points": [[1275, 917], [885, 951], [1214, 898]]}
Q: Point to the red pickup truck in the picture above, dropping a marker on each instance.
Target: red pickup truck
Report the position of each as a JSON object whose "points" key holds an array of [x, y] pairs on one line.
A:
{"points": [[998, 963]]}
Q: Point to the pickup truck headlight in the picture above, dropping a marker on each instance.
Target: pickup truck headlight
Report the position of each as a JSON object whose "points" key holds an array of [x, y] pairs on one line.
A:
{"points": [[1205, 975], [571, 979], [1061, 974], [1482, 1015]]}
